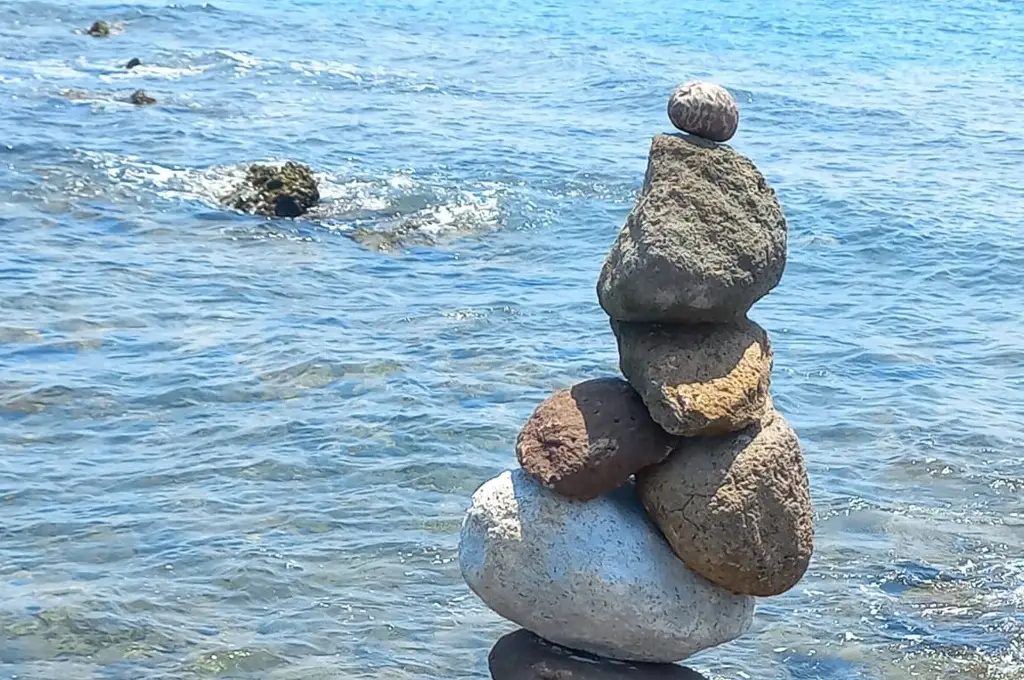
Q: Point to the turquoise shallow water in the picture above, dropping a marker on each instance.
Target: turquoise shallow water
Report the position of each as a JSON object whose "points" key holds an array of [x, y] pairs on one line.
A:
{"points": [[239, 448]]}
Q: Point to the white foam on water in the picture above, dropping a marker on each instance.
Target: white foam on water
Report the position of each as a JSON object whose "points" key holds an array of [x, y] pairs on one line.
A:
{"points": [[154, 71]]}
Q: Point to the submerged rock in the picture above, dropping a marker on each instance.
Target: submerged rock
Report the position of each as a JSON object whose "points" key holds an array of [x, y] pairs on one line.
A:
{"points": [[698, 379], [705, 240], [736, 508], [589, 439], [132, 63], [591, 575], [140, 98], [289, 190], [704, 109], [524, 656], [99, 29]]}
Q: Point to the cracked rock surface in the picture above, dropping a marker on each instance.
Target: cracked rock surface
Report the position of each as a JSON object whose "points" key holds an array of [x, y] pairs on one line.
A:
{"points": [[736, 508]]}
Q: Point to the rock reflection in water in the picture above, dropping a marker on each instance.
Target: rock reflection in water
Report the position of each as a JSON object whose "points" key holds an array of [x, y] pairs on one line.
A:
{"points": [[524, 656]]}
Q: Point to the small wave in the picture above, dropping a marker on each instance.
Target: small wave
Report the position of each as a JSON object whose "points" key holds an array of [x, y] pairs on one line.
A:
{"points": [[362, 75], [382, 213], [401, 209], [245, 61], [155, 71]]}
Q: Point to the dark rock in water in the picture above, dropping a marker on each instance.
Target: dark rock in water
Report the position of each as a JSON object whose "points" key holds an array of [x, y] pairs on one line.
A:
{"points": [[133, 63], [396, 238], [140, 98], [524, 656], [286, 191], [99, 29]]}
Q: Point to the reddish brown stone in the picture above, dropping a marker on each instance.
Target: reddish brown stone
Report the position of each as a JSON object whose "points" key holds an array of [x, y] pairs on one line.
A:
{"points": [[589, 439]]}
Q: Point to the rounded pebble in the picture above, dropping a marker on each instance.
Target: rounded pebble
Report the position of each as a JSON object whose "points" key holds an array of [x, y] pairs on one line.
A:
{"points": [[705, 110]]}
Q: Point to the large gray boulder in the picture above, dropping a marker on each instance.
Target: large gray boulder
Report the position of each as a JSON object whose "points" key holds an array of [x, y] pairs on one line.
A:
{"points": [[698, 379], [705, 240], [736, 508], [591, 575]]}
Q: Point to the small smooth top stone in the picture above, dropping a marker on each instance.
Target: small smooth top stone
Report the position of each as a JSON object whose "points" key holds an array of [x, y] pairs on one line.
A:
{"points": [[704, 109], [595, 576], [704, 242], [736, 508], [524, 656], [135, 61], [589, 439], [698, 379]]}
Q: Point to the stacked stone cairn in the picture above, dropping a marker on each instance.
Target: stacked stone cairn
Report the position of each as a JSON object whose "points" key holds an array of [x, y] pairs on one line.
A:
{"points": [[648, 513]]}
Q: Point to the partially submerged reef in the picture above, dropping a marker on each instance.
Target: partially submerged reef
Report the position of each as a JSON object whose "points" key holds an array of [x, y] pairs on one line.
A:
{"points": [[288, 190]]}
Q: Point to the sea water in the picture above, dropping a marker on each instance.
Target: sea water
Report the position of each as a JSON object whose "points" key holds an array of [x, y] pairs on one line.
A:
{"points": [[233, 447]]}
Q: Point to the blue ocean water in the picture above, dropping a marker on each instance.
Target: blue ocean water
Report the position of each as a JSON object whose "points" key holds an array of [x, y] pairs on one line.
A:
{"points": [[238, 448]]}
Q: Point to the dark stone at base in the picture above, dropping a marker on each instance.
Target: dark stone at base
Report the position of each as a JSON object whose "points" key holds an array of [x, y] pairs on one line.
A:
{"points": [[99, 29], [286, 191], [524, 656], [133, 63], [140, 98]]}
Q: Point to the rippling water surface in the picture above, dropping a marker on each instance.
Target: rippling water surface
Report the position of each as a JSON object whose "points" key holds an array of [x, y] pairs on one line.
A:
{"points": [[242, 448]]}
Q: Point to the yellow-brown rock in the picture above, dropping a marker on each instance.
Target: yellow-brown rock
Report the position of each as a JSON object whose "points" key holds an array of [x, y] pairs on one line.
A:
{"points": [[696, 380]]}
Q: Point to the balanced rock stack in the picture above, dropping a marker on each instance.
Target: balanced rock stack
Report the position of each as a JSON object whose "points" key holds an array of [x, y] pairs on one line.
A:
{"points": [[648, 512]]}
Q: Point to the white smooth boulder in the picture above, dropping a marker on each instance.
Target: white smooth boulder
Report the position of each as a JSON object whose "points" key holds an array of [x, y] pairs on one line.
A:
{"points": [[591, 575]]}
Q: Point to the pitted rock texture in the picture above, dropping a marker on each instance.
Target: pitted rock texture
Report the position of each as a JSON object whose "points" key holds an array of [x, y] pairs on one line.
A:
{"points": [[286, 191], [591, 575], [704, 109], [524, 656], [736, 508], [589, 439], [705, 240], [701, 379]]}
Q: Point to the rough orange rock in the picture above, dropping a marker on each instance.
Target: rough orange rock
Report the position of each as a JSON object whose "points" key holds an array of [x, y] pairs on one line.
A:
{"points": [[700, 379]]}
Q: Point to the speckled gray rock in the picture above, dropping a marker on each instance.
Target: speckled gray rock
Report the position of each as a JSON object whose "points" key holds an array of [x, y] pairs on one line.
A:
{"points": [[704, 109], [705, 240], [698, 379], [736, 508], [524, 656], [588, 439], [591, 575]]}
